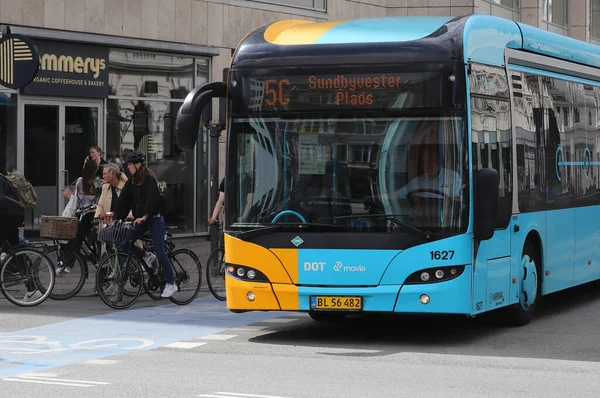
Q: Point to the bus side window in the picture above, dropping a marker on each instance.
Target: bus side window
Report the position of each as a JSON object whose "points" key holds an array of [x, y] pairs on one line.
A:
{"points": [[491, 133]]}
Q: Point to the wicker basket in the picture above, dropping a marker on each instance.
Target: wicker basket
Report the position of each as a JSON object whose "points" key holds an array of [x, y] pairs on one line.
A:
{"points": [[58, 227]]}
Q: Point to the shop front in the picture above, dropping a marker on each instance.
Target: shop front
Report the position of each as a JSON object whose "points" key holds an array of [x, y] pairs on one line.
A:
{"points": [[119, 99]]}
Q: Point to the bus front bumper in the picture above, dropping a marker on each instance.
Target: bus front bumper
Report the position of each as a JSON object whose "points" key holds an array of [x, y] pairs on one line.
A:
{"points": [[450, 297]]}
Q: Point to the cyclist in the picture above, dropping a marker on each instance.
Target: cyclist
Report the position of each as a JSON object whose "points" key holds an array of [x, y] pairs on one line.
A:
{"points": [[219, 203], [142, 197], [12, 214], [114, 182], [88, 189]]}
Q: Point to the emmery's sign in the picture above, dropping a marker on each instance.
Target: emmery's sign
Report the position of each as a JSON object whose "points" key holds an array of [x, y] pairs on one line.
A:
{"points": [[70, 70]]}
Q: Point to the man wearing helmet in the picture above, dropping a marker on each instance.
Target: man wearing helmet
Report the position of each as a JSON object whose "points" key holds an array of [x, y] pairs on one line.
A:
{"points": [[141, 196]]}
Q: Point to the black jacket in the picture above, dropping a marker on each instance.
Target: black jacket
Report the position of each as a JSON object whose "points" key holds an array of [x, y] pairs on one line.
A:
{"points": [[8, 208], [142, 199]]}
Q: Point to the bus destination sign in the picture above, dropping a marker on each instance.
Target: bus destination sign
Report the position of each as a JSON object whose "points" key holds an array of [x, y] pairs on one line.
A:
{"points": [[367, 91]]}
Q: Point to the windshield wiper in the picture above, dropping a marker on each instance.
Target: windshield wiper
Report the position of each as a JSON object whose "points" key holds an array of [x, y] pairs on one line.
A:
{"points": [[392, 217], [268, 228]]}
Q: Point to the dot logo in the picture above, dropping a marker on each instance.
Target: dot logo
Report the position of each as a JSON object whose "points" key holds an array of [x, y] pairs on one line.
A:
{"points": [[19, 61]]}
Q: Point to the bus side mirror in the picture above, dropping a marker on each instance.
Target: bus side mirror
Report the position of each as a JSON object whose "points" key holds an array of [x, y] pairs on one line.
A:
{"points": [[486, 203]]}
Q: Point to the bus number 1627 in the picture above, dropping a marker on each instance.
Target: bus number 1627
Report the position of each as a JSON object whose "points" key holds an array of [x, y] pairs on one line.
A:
{"points": [[442, 254]]}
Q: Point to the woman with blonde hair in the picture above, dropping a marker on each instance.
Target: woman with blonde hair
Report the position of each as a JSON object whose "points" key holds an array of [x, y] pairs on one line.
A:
{"points": [[114, 182]]}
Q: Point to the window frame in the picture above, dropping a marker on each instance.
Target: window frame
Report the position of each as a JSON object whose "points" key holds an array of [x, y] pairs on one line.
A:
{"points": [[546, 7]]}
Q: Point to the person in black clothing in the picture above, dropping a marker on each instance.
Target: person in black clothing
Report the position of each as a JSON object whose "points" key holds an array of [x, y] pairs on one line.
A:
{"points": [[12, 214], [219, 203], [142, 197]]}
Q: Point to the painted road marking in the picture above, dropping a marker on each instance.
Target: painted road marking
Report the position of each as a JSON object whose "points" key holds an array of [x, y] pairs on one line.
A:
{"points": [[101, 362], [235, 394], [184, 344], [280, 320], [249, 328], [37, 379], [220, 337], [101, 336]]}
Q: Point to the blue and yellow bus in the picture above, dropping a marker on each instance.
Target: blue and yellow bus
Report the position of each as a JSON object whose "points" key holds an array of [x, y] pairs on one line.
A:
{"points": [[409, 165]]}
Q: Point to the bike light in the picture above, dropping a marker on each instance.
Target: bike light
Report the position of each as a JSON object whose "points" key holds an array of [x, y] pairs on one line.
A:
{"points": [[251, 274], [425, 276], [250, 296], [439, 274], [424, 299], [240, 271]]}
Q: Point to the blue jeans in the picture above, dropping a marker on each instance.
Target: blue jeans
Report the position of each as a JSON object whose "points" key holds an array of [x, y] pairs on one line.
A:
{"points": [[156, 225]]}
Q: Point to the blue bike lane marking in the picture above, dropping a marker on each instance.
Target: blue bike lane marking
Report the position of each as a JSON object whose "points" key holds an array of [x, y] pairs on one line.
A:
{"points": [[95, 337]]}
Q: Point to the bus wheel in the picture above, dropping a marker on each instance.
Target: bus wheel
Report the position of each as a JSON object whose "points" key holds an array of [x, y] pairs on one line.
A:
{"points": [[327, 316], [521, 313]]}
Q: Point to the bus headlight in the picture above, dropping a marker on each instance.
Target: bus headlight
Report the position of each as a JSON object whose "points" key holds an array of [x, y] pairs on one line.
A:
{"points": [[442, 274], [245, 273]]}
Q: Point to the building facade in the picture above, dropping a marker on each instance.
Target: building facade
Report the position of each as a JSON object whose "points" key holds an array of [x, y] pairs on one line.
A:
{"points": [[113, 73]]}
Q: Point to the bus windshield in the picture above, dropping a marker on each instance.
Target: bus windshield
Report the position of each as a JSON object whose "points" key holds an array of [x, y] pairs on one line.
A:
{"points": [[349, 174]]}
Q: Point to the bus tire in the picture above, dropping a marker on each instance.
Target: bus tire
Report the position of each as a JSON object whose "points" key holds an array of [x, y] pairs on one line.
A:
{"points": [[327, 317], [521, 313]]}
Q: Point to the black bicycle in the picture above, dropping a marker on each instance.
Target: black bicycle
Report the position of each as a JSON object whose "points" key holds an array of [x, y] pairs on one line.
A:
{"points": [[120, 275], [72, 266], [26, 275], [215, 267], [184, 260]]}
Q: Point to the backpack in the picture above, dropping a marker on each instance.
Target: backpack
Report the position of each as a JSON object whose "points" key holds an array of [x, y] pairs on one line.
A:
{"points": [[23, 190]]}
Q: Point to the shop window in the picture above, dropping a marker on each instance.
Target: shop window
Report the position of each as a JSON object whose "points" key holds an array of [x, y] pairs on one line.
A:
{"points": [[146, 92], [150, 75]]}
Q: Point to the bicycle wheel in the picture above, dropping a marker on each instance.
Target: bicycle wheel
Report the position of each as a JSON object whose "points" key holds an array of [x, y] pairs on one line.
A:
{"points": [[26, 277], [69, 279], [119, 280], [154, 285], [188, 276], [215, 273]]}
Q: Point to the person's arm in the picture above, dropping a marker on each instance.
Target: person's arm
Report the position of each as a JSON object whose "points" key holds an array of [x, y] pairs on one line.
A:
{"points": [[99, 206], [217, 208]]}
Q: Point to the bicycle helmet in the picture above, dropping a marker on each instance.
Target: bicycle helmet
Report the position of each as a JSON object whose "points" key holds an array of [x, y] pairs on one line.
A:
{"points": [[136, 157]]}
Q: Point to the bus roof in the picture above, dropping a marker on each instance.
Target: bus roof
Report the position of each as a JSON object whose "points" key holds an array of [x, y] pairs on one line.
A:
{"points": [[477, 38]]}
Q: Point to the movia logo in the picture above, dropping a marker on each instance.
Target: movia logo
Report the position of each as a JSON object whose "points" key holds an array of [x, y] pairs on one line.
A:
{"points": [[19, 61], [297, 241]]}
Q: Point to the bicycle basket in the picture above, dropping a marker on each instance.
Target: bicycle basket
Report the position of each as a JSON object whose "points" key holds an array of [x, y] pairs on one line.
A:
{"points": [[113, 231]]}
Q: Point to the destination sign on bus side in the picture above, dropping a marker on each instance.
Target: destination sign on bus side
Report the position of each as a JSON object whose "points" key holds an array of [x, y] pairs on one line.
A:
{"points": [[336, 91]]}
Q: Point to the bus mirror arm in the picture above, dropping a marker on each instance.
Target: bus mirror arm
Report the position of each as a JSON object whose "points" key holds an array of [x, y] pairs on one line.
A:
{"points": [[192, 110], [485, 203]]}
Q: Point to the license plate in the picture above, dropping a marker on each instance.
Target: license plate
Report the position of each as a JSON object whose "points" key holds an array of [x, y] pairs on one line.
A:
{"points": [[336, 303]]}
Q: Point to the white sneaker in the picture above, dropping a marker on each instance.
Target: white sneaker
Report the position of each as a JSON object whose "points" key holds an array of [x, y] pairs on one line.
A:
{"points": [[2, 257], [170, 289]]}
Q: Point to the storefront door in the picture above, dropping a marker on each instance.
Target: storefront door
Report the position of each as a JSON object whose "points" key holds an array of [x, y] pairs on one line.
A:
{"points": [[55, 141]]}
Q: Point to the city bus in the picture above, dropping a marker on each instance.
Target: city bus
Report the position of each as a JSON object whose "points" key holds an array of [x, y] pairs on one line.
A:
{"points": [[424, 165]]}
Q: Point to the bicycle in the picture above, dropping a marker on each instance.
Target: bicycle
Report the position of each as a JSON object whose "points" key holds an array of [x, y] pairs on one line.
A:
{"points": [[184, 259], [24, 263], [72, 277], [124, 268], [215, 267]]}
